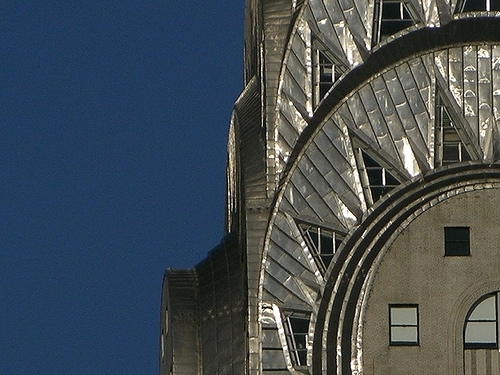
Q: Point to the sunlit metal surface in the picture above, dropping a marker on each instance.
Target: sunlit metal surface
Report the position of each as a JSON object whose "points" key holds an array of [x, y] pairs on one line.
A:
{"points": [[392, 115]]}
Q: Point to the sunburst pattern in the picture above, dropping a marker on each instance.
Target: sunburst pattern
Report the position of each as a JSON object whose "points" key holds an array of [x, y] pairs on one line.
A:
{"points": [[391, 116]]}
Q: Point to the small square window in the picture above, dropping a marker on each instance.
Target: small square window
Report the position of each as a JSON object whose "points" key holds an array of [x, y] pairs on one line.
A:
{"points": [[403, 325], [456, 241]]}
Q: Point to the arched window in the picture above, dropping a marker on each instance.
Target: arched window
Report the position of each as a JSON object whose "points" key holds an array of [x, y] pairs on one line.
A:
{"points": [[481, 324]]}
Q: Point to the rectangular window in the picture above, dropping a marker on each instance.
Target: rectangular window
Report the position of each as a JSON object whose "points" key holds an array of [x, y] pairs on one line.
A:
{"points": [[403, 325], [456, 241]]}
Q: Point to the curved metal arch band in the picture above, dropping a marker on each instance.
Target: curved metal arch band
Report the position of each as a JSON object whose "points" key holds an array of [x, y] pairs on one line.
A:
{"points": [[347, 276]]}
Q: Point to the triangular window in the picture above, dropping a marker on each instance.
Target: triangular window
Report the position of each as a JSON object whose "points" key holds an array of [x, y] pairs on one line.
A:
{"points": [[323, 244], [296, 325], [326, 71], [380, 180], [449, 147], [391, 16], [478, 6]]}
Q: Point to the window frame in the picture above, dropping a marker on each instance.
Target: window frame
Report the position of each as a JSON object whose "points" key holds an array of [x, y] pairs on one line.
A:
{"points": [[487, 6], [370, 167], [298, 355], [448, 138], [315, 237], [393, 342], [478, 344], [379, 19], [323, 60]]}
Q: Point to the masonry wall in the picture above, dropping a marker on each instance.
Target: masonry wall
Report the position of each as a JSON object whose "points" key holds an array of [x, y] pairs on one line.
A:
{"points": [[415, 270]]}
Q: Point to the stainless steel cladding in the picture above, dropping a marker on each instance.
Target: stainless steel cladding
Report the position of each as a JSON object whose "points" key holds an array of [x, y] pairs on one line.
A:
{"points": [[365, 130]]}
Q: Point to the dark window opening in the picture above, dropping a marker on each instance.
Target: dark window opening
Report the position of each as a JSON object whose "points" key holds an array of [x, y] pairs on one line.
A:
{"points": [[326, 71], [457, 241], [296, 327], [380, 180], [479, 6], [403, 325], [391, 16], [323, 244]]}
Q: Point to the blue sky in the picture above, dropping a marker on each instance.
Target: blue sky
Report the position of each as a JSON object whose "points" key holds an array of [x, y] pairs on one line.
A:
{"points": [[114, 118]]}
